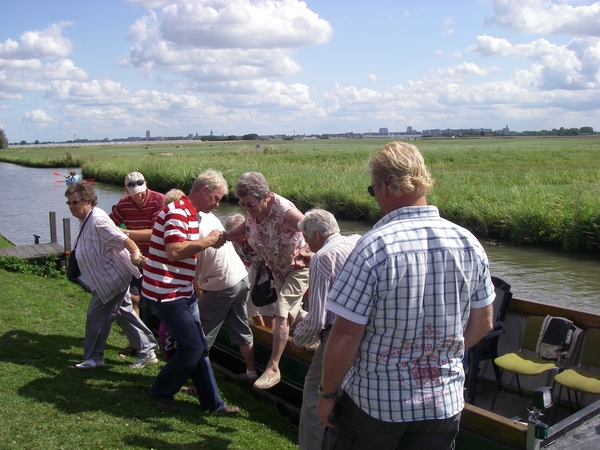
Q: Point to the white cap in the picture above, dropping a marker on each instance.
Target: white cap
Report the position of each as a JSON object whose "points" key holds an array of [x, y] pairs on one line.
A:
{"points": [[132, 183]]}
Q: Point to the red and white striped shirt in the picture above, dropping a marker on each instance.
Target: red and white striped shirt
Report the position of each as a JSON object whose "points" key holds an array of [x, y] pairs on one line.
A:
{"points": [[166, 280]]}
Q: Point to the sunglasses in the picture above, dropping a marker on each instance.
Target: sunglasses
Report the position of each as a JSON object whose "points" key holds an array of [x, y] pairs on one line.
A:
{"points": [[74, 202], [135, 183], [371, 191], [248, 205]]}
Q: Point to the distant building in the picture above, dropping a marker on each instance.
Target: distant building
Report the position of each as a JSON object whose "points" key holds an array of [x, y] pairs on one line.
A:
{"points": [[409, 130], [148, 134], [383, 131]]}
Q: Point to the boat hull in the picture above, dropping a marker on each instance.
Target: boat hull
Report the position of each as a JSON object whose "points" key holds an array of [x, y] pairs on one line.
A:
{"points": [[479, 426]]}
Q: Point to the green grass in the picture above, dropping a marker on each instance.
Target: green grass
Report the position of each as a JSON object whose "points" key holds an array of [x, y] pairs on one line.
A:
{"points": [[4, 243], [46, 403], [528, 191]]}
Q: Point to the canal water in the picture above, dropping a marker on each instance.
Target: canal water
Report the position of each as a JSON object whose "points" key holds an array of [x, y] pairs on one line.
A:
{"points": [[29, 194]]}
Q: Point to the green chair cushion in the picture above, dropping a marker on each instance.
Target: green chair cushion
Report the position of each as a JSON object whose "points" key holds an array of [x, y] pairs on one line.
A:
{"points": [[523, 364], [580, 380]]}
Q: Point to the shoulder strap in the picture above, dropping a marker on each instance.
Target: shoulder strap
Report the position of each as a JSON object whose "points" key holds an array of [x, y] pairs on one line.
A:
{"points": [[81, 229]]}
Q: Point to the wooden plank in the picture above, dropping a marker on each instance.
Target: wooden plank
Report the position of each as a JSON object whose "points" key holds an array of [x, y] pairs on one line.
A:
{"points": [[582, 319], [493, 426], [37, 251]]}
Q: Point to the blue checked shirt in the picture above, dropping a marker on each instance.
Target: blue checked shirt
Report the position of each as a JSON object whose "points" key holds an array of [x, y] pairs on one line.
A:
{"points": [[411, 281]]}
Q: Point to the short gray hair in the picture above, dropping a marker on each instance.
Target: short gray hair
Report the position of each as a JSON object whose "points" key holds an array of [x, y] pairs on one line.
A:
{"points": [[251, 183], [173, 195], [318, 220], [212, 179], [233, 221]]}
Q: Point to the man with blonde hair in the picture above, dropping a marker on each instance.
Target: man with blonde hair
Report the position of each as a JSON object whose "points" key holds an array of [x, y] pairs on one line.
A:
{"points": [[412, 296]]}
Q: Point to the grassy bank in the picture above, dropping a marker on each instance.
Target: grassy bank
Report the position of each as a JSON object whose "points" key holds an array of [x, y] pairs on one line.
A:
{"points": [[46, 403], [529, 191]]}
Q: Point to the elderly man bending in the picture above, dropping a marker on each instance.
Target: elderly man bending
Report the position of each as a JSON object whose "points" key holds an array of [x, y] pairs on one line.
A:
{"points": [[168, 286], [322, 234]]}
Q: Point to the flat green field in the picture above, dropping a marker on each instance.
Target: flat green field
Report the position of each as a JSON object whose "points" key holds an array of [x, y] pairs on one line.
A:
{"points": [[529, 191]]}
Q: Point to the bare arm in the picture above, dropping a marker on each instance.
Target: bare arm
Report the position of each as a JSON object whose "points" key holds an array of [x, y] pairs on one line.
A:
{"points": [[480, 323], [291, 219], [134, 251], [238, 231], [177, 251], [341, 350], [140, 235]]}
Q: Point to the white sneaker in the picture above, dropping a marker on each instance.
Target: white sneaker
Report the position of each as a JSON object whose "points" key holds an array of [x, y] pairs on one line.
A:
{"points": [[89, 364], [149, 360]]}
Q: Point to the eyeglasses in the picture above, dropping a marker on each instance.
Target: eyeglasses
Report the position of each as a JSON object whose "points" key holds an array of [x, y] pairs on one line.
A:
{"points": [[74, 202], [371, 191], [135, 183], [248, 205]]}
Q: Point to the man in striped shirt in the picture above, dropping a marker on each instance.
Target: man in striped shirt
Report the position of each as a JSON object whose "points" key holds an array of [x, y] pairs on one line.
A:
{"points": [[412, 296], [137, 212], [168, 286], [322, 234]]}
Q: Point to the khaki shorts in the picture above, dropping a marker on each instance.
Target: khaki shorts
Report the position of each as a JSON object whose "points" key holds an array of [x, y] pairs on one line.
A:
{"points": [[290, 292]]}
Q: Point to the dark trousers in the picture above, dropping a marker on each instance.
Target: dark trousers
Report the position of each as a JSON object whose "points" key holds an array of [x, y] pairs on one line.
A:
{"points": [[357, 430], [191, 358]]}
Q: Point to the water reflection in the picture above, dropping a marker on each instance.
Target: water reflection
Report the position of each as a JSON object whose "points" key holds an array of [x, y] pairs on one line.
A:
{"points": [[28, 194]]}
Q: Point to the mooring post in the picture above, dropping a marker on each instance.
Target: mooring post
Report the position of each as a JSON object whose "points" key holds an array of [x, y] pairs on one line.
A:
{"points": [[67, 233], [53, 238], [36, 239]]}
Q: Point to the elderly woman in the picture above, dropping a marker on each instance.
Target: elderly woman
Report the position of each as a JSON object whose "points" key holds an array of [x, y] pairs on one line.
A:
{"points": [[107, 259], [271, 228]]}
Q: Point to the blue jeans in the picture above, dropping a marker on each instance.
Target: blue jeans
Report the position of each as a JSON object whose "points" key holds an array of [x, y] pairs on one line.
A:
{"points": [[182, 319]]}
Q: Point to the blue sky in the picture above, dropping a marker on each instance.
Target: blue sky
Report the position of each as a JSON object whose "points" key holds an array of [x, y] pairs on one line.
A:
{"points": [[117, 68]]}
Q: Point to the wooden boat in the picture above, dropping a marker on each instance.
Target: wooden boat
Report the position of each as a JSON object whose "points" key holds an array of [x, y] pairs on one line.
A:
{"points": [[505, 427]]}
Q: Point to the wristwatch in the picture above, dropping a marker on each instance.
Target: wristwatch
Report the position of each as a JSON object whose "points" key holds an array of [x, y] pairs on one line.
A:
{"points": [[127, 233], [326, 396]]}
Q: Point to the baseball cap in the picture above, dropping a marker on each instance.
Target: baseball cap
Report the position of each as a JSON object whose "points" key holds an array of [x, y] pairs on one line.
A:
{"points": [[135, 182]]}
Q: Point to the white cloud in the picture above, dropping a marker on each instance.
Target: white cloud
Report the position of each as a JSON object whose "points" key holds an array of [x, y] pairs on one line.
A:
{"points": [[47, 43], [37, 116], [212, 40], [372, 77], [546, 17], [572, 66]]}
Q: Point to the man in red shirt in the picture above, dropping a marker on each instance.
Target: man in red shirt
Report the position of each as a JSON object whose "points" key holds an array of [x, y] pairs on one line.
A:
{"points": [[137, 211]]}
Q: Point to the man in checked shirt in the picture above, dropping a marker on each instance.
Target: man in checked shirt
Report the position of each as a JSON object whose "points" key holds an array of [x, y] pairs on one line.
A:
{"points": [[322, 234], [412, 296]]}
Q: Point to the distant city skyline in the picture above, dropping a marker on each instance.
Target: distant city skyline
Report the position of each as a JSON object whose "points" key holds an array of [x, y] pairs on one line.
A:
{"points": [[97, 69]]}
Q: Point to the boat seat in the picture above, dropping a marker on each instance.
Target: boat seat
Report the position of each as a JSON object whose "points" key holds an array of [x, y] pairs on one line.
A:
{"points": [[579, 379], [535, 341]]}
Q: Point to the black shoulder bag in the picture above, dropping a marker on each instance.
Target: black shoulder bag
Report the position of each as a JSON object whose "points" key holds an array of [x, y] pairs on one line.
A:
{"points": [[263, 292], [73, 272]]}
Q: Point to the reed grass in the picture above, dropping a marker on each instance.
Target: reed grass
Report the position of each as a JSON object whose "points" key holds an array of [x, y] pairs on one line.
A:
{"points": [[528, 191]]}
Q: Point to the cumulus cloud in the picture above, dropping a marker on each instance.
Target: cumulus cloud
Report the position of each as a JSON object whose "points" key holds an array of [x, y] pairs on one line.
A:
{"points": [[37, 116], [47, 43], [372, 77], [546, 17], [572, 66], [211, 40]]}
